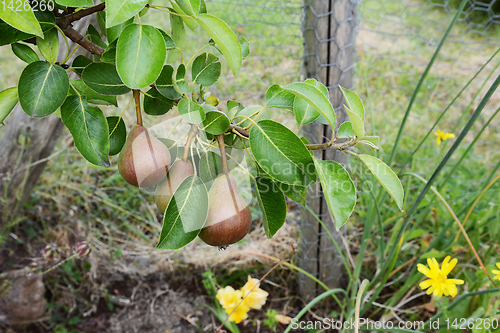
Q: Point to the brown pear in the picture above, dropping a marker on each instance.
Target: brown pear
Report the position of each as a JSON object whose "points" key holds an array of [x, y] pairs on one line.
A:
{"points": [[144, 160], [165, 190], [229, 218]]}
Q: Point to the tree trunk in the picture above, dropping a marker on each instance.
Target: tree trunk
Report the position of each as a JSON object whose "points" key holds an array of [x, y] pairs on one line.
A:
{"points": [[329, 31], [24, 145]]}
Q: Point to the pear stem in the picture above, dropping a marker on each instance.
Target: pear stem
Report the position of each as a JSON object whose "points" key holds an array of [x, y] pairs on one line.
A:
{"points": [[192, 133], [137, 97], [222, 147]]}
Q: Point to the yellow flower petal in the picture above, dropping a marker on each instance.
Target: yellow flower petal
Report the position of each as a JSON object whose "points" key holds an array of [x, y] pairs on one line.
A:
{"points": [[240, 313], [424, 270], [254, 297], [425, 284], [448, 265], [498, 265], [455, 281], [228, 297], [438, 283]]}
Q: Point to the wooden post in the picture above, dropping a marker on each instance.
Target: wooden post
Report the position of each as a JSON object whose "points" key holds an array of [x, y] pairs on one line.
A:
{"points": [[329, 31]]}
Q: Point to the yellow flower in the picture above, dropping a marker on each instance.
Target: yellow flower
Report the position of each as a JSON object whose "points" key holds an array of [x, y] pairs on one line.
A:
{"points": [[438, 282], [443, 136], [497, 276], [240, 314], [228, 297], [255, 298]]}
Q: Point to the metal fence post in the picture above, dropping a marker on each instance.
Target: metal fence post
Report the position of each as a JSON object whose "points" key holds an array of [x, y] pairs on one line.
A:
{"points": [[329, 51]]}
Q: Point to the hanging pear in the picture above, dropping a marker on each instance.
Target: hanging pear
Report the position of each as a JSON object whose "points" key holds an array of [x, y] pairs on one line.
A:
{"points": [[229, 218], [144, 160], [166, 189]]}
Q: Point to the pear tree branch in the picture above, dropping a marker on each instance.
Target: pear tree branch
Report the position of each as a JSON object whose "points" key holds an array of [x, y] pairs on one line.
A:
{"points": [[329, 145]]}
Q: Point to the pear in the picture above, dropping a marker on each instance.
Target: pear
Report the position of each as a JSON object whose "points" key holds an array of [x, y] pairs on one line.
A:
{"points": [[165, 190], [229, 218], [144, 160]]}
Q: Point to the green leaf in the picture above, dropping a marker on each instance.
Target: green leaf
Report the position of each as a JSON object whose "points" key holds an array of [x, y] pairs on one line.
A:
{"points": [[114, 32], [210, 166], [315, 97], [119, 11], [189, 21], [250, 112], [9, 35], [273, 204], [190, 7], [345, 130], [279, 98], [178, 31], [172, 147], [75, 3], [110, 54], [185, 214], [225, 38], [354, 103], [156, 104], [180, 76], [21, 19], [117, 134], [80, 63], [140, 54], [357, 124], [245, 47], [215, 123], [145, 9], [101, 22], [206, 69], [386, 177], [233, 108], [169, 42], [49, 45], [191, 111], [95, 37], [104, 79], [25, 53], [319, 85], [338, 190], [78, 87], [304, 112], [165, 83], [8, 100], [89, 128], [295, 192], [281, 154], [42, 88]]}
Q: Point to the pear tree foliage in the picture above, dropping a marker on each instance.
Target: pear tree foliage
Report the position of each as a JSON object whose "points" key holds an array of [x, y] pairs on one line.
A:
{"points": [[148, 64]]}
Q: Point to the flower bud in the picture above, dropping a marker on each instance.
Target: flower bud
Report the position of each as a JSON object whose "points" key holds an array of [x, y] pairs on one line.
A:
{"points": [[82, 249]]}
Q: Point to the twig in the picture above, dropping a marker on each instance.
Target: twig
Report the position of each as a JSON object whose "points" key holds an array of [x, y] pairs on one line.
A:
{"points": [[137, 97], [222, 147], [84, 12], [184, 317], [192, 134], [329, 145], [78, 38], [158, 294], [240, 130]]}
